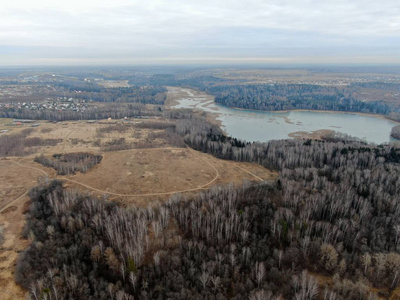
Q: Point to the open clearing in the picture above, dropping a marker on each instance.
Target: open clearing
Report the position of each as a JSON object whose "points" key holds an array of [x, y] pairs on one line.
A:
{"points": [[128, 174], [135, 176], [14, 183]]}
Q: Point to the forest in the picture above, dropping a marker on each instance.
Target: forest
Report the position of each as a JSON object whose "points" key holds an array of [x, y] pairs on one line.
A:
{"points": [[149, 88], [106, 110], [70, 163], [295, 96], [286, 96], [137, 94], [327, 228], [395, 132]]}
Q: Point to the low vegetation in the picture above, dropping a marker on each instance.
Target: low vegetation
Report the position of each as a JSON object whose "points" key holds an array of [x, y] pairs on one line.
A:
{"points": [[295, 96], [70, 163], [156, 125], [19, 144], [168, 135], [103, 111], [132, 94], [1, 236], [116, 144], [112, 129]]}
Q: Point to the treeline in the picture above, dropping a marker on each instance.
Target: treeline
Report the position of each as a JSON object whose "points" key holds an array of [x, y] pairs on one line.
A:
{"points": [[202, 82], [275, 97], [395, 132], [138, 94], [388, 86], [70, 163], [107, 110], [116, 144], [234, 93], [19, 144], [333, 212], [81, 247], [277, 154], [111, 130]]}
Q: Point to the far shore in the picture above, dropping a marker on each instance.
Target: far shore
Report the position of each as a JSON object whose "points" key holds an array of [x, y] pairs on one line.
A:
{"points": [[173, 102], [335, 112], [315, 110]]}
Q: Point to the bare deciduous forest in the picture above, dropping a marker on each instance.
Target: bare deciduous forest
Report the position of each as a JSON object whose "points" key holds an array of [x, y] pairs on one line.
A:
{"points": [[107, 110], [199, 150], [333, 213], [396, 132], [70, 163], [297, 96]]}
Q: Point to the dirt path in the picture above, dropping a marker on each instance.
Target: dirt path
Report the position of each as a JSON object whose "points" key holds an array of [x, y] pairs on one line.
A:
{"points": [[9, 204], [33, 168], [252, 174], [66, 140], [202, 187], [12, 202], [157, 194], [217, 175]]}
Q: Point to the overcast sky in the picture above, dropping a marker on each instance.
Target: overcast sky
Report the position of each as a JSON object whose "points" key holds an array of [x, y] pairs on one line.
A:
{"points": [[44, 32]]}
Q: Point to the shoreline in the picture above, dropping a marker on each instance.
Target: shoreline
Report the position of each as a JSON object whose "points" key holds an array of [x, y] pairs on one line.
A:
{"points": [[343, 112], [213, 116], [174, 102], [314, 110]]}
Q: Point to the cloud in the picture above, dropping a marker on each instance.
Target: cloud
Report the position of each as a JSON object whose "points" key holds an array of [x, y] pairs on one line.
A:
{"points": [[179, 29]]}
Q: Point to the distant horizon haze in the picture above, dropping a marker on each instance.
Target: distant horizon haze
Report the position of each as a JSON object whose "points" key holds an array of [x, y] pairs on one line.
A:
{"points": [[178, 32]]}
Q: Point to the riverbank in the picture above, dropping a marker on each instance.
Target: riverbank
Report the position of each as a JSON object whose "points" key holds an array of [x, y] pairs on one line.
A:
{"points": [[337, 112], [176, 94], [313, 110], [207, 100], [261, 125]]}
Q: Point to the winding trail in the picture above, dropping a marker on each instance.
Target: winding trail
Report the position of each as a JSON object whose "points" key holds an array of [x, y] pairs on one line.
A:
{"points": [[33, 168], [155, 194], [252, 174], [66, 140], [202, 187], [11, 203]]}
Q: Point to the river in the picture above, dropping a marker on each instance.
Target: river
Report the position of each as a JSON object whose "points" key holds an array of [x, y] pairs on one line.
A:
{"points": [[263, 126]]}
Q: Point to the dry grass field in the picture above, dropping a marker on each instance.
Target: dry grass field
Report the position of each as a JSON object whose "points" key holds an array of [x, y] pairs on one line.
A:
{"points": [[135, 176], [14, 184], [142, 175]]}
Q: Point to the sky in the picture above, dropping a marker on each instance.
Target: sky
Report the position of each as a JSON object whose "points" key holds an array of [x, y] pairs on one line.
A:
{"points": [[92, 32]]}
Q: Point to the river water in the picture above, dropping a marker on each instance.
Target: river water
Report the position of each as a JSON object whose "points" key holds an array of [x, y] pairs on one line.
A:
{"points": [[263, 126]]}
